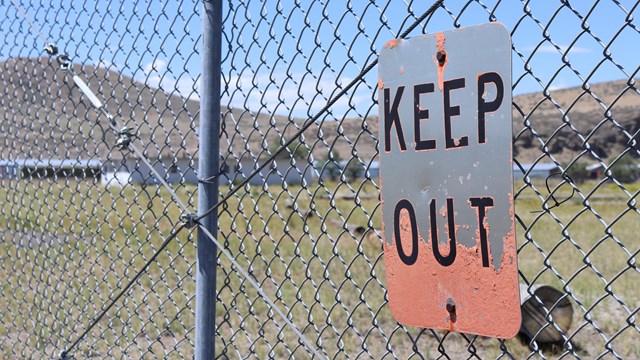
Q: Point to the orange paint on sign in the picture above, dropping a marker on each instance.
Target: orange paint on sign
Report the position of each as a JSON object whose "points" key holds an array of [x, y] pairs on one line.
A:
{"points": [[440, 40], [392, 43], [414, 288]]}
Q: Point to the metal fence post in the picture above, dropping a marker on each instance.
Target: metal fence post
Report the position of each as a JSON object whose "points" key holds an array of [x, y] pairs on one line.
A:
{"points": [[208, 167]]}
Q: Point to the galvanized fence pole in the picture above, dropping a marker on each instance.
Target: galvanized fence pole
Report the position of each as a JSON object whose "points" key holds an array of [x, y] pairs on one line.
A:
{"points": [[208, 168]]}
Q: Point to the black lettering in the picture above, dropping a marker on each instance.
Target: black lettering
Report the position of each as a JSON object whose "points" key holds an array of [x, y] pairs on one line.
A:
{"points": [[450, 111], [448, 260], [406, 205], [486, 107], [392, 117], [482, 204], [419, 114]]}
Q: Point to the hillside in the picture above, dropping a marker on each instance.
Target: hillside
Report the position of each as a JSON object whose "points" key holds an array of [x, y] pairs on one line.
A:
{"points": [[585, 111], [44, 115], [601, 114]]}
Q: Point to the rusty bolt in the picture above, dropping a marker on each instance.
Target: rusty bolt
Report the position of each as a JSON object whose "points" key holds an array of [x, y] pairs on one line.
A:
{"points": [[441, 56], [451, 309], [451, 306]]}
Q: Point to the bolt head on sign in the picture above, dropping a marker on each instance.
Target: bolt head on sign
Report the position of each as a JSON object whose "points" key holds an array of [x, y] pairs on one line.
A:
{"points": [[447, 181]]}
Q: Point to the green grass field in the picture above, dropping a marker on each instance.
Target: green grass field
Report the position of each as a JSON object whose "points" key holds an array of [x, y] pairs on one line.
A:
{"points": [[303, 247]]}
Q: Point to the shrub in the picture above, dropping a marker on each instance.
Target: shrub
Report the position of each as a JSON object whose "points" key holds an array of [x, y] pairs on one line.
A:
{"points": [[577, 172], [625, 170]]}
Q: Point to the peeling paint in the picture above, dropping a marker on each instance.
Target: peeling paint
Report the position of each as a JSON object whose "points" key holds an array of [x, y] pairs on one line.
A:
{"points": [[392, 43], [483, 290], [380, 84], [440, 40]]}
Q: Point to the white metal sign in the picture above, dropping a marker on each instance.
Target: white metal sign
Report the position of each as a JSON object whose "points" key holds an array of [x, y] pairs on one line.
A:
{"points": [[447, 182]]}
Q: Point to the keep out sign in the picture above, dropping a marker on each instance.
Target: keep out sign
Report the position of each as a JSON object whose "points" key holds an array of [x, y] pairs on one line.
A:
{"points": [[447, 183]]}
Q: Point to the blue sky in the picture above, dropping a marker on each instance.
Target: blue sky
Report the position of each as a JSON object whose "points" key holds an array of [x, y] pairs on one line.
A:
{"points": [[275, 65]]}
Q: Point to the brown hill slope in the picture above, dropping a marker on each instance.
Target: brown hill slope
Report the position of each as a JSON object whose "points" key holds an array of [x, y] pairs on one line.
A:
{"points": [[604, 114], [44, 115]]}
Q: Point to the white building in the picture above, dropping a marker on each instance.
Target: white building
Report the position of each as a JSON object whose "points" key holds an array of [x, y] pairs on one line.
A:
{"points": [[48, 168], [533, 171]]}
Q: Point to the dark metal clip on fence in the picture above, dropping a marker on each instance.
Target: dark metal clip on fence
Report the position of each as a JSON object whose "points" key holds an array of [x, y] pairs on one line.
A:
{"points": [[51, 49], [189, 219], [210, 180], [64, 355], [124, 138], [64, 61]]}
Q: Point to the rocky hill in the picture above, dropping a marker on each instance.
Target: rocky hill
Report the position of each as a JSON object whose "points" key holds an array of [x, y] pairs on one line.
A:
{"points": [[603, 114], [44, 115]]}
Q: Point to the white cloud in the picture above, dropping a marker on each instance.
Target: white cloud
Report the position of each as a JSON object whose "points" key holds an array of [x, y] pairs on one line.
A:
{"points": [[558, 85], [279, 93], [158, 76], [269, 93], [107, 65], [548, 48], [156, 66]]}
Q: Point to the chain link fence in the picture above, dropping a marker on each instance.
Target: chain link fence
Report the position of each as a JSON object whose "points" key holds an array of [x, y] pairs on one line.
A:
{"points": [[98, 176]]}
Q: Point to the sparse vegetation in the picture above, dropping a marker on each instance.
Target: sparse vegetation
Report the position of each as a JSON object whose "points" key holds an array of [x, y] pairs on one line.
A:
{"points": [[625, 169], [290, 254], [577, 172], [332, 165], [296, 150]]}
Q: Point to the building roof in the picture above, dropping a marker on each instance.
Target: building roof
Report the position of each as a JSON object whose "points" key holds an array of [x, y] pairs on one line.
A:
{"points": [[593, 167], [536, 167], [53, 163]]}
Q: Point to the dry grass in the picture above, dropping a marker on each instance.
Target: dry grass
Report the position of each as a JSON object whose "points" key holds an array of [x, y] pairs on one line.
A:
{"points": [[325, 276]]}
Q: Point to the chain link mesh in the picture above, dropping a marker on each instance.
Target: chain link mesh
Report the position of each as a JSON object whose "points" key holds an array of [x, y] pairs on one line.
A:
{"points": [[80, 217]]}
